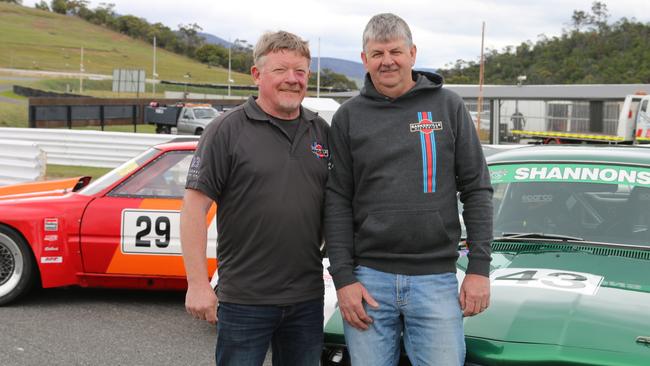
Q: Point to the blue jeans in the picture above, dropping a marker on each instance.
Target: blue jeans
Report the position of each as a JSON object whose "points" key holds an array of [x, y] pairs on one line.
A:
{"points": [[424, 308], [294, 331]]}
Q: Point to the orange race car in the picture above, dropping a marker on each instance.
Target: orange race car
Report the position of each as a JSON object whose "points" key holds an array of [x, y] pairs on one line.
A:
{"points": [[120, 231]]}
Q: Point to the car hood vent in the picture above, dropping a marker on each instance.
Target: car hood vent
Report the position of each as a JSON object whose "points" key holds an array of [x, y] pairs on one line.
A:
{"points": [[527, 246]]}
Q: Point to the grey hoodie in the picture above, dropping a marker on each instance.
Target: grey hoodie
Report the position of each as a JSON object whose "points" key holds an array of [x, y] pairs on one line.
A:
{"points": [[396, 167]]}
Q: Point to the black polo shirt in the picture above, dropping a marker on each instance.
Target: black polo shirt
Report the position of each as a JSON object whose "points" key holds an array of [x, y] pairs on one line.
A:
{"points": [[269, 191]]}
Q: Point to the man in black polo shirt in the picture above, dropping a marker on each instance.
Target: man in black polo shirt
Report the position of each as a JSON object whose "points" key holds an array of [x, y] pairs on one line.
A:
{"points": [[265, 165]]}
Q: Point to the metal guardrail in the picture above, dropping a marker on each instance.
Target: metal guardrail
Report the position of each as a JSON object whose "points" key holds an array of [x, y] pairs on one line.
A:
{"points": [[79, 112], [84, 148], [21, 161]]}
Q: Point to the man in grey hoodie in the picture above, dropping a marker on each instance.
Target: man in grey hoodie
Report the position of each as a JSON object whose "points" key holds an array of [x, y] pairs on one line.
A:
{"points": [[401, 152]]}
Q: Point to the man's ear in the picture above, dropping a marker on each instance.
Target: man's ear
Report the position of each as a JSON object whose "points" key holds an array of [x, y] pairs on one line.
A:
{"points": [[255, 72], [364, 59], [413, 52]]}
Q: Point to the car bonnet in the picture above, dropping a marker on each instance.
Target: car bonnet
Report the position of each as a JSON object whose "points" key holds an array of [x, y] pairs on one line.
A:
{"points": [[567, 298]]}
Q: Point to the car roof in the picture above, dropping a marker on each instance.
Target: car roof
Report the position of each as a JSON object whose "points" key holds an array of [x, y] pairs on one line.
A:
{"points": [[614, 154], [179, 143]]}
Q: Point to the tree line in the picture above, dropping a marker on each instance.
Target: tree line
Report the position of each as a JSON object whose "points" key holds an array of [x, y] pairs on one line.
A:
{"points": [[590, 51], [186, 40]]}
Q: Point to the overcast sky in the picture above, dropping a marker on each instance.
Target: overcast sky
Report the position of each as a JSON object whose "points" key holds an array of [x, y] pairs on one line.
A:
{"points": [[443, 31]]}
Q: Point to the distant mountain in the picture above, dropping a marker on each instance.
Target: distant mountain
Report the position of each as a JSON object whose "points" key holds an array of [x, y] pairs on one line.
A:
{"points": [[426, 69], [212, 39], [351, 69]]}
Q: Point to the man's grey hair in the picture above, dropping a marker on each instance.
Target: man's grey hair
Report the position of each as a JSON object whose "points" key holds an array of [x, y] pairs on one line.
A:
{"points": [[387, 27], [280, 41]]}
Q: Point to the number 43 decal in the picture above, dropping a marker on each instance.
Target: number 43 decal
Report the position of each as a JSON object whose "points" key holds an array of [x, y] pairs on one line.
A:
{"points": [[579, 282]]}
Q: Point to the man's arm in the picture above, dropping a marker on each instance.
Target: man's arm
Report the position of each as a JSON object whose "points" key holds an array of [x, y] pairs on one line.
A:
{"points": [[339, 228], [200, 300], [473, 181]]}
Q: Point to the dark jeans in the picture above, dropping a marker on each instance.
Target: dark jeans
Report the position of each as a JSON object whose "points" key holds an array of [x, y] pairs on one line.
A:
{"points": [[294, 331]]}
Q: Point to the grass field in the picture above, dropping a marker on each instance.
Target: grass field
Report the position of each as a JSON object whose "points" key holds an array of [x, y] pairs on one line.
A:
{"points": [[54, 171], [40, 40], [13, 115]]}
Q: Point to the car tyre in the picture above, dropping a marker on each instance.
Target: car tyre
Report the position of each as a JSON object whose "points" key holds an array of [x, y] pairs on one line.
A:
{"points": [[198, 131], [163, 129], [18, 271]]}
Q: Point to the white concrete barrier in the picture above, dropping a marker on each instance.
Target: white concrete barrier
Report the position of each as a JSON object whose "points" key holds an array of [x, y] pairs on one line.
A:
{"points": [[21, 161], [86, 148]]}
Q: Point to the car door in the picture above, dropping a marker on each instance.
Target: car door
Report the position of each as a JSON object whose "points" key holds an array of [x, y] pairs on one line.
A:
{"points": [[135, 228], [186, 122]]}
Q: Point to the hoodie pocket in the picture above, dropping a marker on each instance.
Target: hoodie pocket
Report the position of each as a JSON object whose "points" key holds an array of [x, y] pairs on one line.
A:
{"points": [[402, 232]]}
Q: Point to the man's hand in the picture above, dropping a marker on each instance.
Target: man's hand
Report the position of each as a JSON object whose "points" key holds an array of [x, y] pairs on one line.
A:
{"points": [[201, 302], [351, 299], [474, 294]]}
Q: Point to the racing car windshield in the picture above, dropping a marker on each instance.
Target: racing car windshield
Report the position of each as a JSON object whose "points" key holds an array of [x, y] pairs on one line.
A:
{"points": [[599, 203], [118, 173]]}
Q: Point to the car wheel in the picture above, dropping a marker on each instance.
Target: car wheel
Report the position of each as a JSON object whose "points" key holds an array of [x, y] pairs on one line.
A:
{"points": [[198, 131], [17, 268]]}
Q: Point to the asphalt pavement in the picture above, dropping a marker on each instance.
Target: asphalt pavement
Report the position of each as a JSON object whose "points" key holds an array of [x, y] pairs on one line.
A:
{"points": [[77, 326]]}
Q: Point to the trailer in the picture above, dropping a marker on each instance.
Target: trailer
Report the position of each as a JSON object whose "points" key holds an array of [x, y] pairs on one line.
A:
{"points": [[182, 118], [632, 127]]}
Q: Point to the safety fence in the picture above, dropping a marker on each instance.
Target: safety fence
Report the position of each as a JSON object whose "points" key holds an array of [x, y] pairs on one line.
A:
{"points": [[21, 161], [84, 148]]}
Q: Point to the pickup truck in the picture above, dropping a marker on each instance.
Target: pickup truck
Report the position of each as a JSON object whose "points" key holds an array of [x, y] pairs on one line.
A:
{"points": [[182, 118]]}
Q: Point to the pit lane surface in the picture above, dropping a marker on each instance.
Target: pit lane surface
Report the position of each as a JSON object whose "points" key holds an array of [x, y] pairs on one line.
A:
{"points": [[103, 327]]}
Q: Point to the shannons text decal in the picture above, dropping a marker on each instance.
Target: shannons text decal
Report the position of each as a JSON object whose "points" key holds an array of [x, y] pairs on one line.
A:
{"points": [[509, 173]]}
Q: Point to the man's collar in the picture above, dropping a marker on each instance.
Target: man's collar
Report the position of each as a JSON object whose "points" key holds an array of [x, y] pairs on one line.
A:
{"points": [[253, 111]]}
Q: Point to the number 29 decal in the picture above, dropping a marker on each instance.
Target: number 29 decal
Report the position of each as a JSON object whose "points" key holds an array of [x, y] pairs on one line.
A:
{"points": [[151, 232], [551, 279]]}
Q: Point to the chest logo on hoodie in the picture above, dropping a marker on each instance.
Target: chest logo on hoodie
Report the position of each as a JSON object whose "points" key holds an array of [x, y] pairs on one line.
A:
{"points": [[427, 129]]}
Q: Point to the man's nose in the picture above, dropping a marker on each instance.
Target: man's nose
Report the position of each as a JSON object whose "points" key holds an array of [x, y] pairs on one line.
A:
{"points": [[387, 59], [291, 77]]}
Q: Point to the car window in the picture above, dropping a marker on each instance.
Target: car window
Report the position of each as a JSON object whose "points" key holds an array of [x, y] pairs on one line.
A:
{"points": [[203, 113], [118, 173], [165, 177], [611, 205]]}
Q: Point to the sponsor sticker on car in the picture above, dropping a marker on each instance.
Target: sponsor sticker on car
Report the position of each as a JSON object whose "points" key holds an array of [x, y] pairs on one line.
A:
{"points": [[570, 173], [157, 232], [151, 232]]}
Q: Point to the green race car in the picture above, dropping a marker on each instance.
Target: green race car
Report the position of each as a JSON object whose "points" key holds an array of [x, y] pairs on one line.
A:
{"points": [[570, 272]]}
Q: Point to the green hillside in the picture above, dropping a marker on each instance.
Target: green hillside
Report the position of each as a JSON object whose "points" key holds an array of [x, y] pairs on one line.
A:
{"points": [[592, 51], [40, 40]]}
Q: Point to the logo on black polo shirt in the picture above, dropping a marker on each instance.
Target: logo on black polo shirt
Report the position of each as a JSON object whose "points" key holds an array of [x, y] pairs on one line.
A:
{"points": [[195, 165], [319, 151]]}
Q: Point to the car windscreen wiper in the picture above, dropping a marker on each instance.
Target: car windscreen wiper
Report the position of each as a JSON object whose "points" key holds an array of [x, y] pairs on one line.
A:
{"points": [[514, 235]]}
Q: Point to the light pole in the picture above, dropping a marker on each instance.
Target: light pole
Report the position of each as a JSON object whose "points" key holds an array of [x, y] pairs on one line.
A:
{"points": [[229, 66], [154, 75], [188, 78], [81, 71], [318, 72]]}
